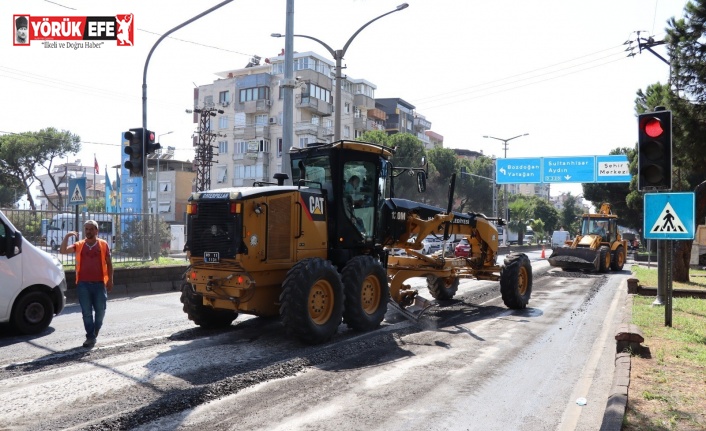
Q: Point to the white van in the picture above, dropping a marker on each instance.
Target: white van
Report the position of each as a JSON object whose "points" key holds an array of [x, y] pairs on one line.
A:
{"points": [[33, 287], [559, 238], [61, 224]]}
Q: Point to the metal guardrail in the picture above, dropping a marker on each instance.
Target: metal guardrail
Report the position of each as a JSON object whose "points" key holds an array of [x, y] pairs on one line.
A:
{"points": [[132, 236]]}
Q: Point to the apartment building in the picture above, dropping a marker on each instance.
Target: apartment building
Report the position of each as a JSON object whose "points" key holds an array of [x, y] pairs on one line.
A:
{"points": [[247, 135]]}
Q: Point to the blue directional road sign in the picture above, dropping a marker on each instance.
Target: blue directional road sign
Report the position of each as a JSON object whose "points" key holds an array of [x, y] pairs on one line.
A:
{"points": [[77, 191], [613, 169], [518, 171], [669, 216], [581, 169]]}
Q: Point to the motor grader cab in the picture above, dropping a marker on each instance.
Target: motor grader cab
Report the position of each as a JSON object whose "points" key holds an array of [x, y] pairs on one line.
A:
{"points": [[318, 252], [598, 247]]}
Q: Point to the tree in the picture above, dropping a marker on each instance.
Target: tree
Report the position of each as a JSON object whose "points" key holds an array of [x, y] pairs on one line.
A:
{"points": [[617, 193], [545, 211], [409, 152], [521, 210], [24, 154], [570, 215]]}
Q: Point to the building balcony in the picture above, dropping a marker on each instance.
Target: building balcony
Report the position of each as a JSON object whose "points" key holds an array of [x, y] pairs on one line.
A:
{"points": [[421, 124], [308, 128], [252, 158], [363, 101], [316, 106], [254, 106], [251, 132], [377, 114]]}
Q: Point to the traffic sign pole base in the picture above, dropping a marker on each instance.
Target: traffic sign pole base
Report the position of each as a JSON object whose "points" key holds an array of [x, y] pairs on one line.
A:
{"points": [[659, 301]]}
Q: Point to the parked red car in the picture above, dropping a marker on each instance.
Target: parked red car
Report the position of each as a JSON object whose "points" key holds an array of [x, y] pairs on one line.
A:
{"points": [[463, 249]]}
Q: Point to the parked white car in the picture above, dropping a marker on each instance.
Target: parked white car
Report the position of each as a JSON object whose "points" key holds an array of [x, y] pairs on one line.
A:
{"points": [[33, 287]]}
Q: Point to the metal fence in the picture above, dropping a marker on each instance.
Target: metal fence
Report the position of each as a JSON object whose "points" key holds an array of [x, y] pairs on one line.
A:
{"points": [[133, 237]]}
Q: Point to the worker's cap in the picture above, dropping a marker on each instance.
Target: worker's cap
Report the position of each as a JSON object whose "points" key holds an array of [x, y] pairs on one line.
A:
{"points": [[91, 223]]}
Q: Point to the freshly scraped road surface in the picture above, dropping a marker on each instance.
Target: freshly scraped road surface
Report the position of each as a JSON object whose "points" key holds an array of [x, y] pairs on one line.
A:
{"points": [[470, 364]]}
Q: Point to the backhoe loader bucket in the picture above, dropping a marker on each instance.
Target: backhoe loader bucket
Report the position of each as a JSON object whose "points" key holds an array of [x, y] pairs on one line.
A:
{"points": [[575, 258]]}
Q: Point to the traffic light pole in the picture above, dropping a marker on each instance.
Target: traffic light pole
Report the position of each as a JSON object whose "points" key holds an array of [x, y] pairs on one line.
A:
{"points": [[146, 252]]}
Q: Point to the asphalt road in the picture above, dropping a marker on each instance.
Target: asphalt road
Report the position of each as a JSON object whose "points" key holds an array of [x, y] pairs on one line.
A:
{"points": [[470, 364]]}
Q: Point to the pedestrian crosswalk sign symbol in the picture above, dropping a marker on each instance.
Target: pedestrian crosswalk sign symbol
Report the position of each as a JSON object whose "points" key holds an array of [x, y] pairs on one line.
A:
{"points": [[668, 221], [669, 216], [76, 196], [77, 191]]}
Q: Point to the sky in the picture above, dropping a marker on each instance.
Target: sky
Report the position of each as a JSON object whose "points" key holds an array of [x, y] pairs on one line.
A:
{"points": [[555, 69]]}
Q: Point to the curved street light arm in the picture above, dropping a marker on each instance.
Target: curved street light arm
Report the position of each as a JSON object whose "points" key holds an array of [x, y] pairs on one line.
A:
{"points": [[328, 48], [345, 47]]}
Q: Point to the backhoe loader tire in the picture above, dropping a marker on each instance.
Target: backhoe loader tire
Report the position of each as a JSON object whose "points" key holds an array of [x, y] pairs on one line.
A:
{"points": [[604, 259], [312, 301], [203, 316], [618, 260], [442, 288], [366, 293], [516, 281]]}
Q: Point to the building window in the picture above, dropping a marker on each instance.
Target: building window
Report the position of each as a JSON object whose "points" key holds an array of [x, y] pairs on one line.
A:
{"points": [[254, 93], [317, 92], [221, 174], [224, 97], [356, 112], [165, 186], [165, 207], [346, 108], [346, 131], [222, 147], [279, 147], [223, 122], [261, 119]]}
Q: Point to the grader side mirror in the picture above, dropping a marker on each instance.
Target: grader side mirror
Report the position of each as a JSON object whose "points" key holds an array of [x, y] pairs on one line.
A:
{"points": [[421, 182]]}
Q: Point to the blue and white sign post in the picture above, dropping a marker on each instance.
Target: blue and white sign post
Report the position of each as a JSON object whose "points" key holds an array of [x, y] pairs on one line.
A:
{"points": [[569, 169], [667, 217]]}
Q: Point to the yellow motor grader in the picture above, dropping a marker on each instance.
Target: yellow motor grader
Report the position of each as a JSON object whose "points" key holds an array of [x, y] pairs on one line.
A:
{"points": [[318, 252], [598, 247]]}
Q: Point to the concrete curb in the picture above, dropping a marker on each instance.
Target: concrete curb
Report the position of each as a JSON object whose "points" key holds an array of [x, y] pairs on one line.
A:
{"points": [[618, 398], [137, 281]]}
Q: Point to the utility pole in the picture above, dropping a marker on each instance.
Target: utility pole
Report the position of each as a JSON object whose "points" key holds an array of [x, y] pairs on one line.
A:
{"points": [[204, 150]]}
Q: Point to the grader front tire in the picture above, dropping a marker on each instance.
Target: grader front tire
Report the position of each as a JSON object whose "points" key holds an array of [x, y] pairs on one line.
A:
{"points": [[442, 288], [516, 281], [366, 293]]}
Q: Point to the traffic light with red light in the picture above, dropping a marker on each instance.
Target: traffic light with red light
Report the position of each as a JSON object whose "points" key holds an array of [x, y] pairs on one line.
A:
{"points": [[134, 149], [654, 151], [151, 145]]}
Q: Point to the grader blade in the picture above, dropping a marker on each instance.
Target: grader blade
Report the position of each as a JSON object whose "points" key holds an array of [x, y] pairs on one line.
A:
{"points": [[415, 310]]}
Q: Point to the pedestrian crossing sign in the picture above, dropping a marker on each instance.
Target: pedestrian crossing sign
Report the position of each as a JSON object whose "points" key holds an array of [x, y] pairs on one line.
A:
{"points": [[77, 191], [669, 216]]}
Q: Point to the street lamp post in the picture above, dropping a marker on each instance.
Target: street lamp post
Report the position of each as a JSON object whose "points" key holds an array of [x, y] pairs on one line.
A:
{"points": [[338, 56], [507, 214], [156, 195]]}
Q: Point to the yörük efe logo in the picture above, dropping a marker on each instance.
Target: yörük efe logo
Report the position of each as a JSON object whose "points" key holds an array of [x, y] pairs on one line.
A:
{"points": [[73, 31]]}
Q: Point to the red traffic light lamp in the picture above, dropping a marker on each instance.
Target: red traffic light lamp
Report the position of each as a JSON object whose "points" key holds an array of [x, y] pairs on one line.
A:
{"points": [[654, 147], [152, 146]]}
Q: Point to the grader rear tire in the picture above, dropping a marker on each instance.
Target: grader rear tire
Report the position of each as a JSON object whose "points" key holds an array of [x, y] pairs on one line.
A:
{"points": [[312, 301], [366, 293], [442, 288], [203, 316], [516, 281]]}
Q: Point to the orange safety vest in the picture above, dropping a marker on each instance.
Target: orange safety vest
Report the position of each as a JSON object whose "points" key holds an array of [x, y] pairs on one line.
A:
{"points": [[103, 246]]}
